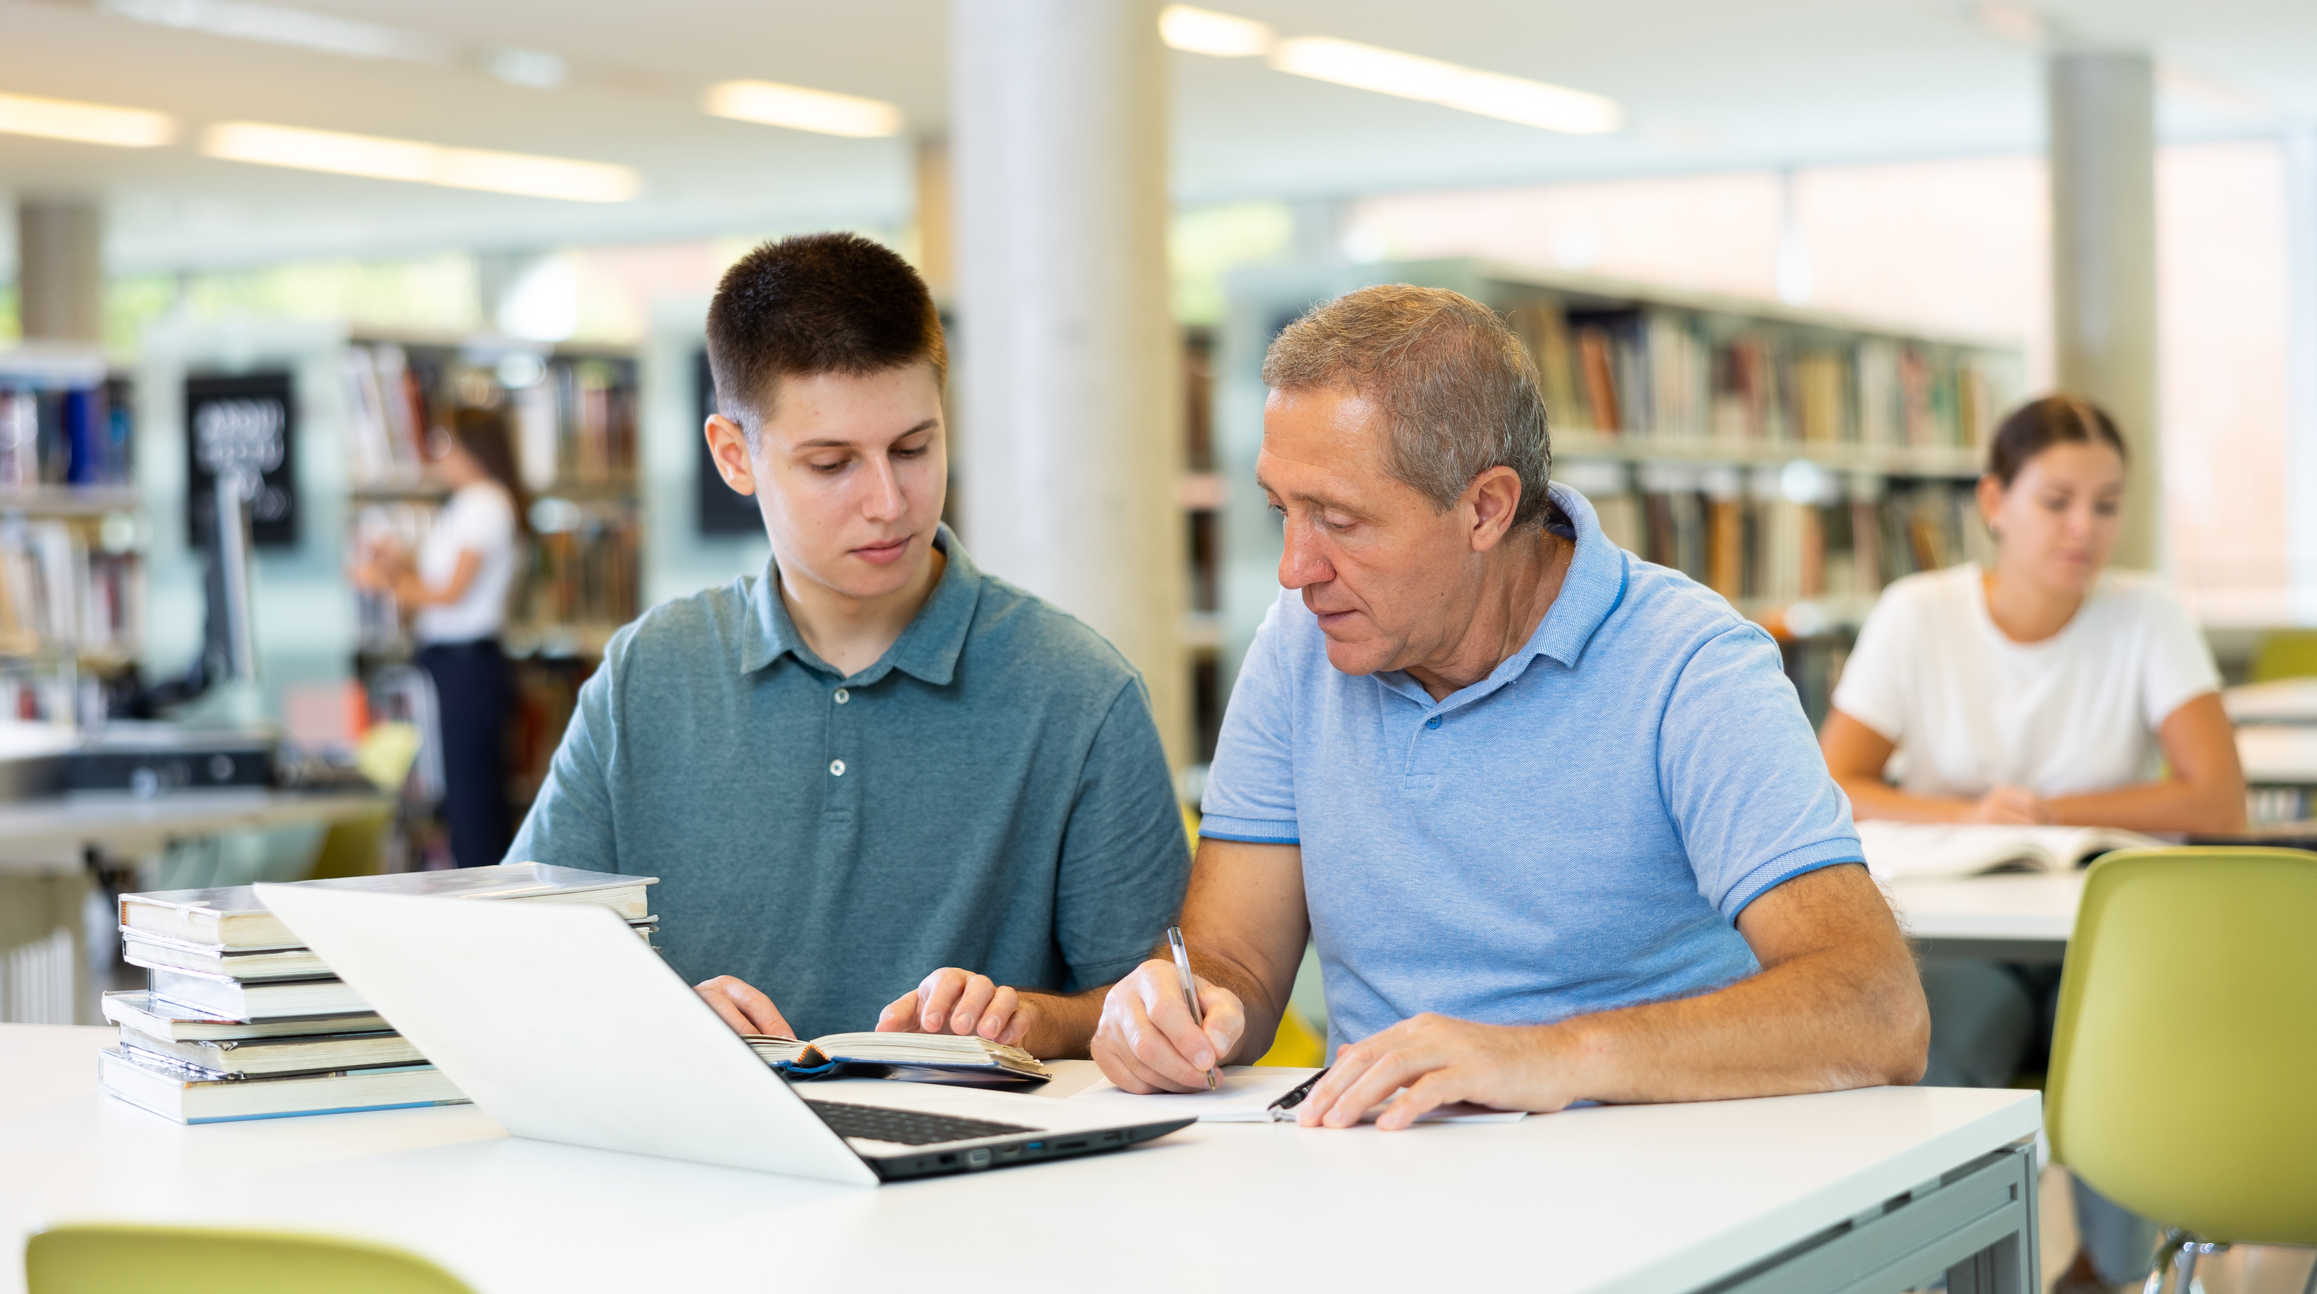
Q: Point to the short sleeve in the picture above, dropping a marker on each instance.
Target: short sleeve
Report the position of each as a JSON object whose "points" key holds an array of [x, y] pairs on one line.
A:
{"points": [[2179, 662], [1125, 863], [1742, 776], [481, 520], [1251, 785], [1878, 677], [570, 823]]}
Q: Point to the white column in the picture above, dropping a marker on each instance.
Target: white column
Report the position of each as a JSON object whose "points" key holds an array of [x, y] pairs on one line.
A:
{"points": [[1070, 431], [2103, 195], [60, 273], [2301, 368]]}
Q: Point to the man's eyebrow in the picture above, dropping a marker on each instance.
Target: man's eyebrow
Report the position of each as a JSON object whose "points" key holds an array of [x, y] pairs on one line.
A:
{"points": [[826, 443], [1316, 500]]}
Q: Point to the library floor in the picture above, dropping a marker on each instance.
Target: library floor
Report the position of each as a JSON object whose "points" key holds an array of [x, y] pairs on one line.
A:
{"points": [[2248, 1269]]}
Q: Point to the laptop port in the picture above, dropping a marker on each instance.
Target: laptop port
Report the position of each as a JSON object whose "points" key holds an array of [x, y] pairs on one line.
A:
{"points": [[947, 1160], [1009, 1152], [977, 1158], [1070, 1145]]}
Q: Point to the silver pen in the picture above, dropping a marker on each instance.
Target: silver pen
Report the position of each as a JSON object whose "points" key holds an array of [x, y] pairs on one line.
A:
{"points": [[1190, 989]]}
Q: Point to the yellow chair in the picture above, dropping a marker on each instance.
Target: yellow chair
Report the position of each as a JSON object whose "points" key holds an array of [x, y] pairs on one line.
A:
{"points": [[2184, 1060], [2285, 653], [106, 1257]]}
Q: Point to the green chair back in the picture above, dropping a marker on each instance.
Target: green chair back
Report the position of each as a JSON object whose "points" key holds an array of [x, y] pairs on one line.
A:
{"points": [[2184, 1061], [105, 1258], [2285, 653]]}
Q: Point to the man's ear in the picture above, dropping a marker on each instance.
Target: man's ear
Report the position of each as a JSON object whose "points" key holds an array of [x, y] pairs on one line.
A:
{"points": [[1494, 496], [728, 448]]}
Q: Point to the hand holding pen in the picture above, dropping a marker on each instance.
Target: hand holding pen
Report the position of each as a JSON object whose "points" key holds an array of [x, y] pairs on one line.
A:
{"points": [[1153, 1037]]}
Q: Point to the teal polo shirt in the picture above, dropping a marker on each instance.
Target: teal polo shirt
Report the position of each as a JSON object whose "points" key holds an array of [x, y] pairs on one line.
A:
{"points": [[991, 794]]}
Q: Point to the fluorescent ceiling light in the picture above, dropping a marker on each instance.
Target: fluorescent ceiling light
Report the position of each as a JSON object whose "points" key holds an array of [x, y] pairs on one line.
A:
{"points": [[421, 163], [801, 109], [1203, 31], [1491, 94], [276, 25], [84, 123]]}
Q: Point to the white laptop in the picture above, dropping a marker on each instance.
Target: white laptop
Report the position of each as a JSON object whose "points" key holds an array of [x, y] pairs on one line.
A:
{"points": [[563, 1026]]}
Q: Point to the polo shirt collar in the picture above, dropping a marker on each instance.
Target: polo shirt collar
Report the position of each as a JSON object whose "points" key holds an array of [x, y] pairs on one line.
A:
{"points": [[1592, 588], [927, 649]]}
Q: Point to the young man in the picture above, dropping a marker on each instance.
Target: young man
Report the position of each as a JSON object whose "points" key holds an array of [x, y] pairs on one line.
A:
{"points": [[1552, 814], [870, 761]]}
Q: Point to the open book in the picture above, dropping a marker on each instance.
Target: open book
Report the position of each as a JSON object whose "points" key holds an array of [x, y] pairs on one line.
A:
{"points": [[925, 1057], [1904, 850]]}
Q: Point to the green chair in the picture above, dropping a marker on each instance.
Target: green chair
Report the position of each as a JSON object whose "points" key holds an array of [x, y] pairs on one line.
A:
{"points": [[108, 1257], [2184, 1060]]}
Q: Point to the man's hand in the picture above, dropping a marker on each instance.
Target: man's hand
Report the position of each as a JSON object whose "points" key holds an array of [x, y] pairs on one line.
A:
{"points": [[2011, 805], [743, 1007], [1146, 1042], [1441, 1061], [960, 1002]]}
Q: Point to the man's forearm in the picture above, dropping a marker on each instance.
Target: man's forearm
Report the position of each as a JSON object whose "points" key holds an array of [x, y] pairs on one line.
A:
{"points": [[1062, 1024], [1824, 1021]]}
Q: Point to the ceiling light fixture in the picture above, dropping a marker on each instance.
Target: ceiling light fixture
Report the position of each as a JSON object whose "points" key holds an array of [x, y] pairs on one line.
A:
{"points": [[275, 25], [84, 123], [1490, 94], [421, 163], [798, 108], [1203, 31]]}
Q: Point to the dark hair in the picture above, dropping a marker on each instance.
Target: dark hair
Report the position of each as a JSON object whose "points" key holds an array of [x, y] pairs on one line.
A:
{"points": [[483, 433], [2038, 425], [815, 304]]}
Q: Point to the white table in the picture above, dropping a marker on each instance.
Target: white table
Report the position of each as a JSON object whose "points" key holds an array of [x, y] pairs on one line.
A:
{"points": [[51, 834], [1867, 1191], [2015, 917]]}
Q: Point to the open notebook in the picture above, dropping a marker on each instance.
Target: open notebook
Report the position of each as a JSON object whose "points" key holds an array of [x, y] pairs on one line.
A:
{"points": [[1906, 850], [925, 1057]]}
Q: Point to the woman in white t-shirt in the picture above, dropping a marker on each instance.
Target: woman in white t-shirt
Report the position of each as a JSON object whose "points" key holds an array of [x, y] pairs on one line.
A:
{"points": [[2046, 689], [456, 592]]}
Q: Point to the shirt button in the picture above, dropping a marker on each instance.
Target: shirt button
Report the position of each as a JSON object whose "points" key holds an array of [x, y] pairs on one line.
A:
{"points": [[843, 696], [1432, 722], [836, 768]]}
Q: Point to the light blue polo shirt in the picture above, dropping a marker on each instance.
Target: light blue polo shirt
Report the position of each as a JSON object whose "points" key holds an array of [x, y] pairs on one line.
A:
{"points": [[1574, 833]]}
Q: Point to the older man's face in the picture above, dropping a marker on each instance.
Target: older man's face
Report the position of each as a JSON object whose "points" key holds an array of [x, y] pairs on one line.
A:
{"points": [[1384, 573]]}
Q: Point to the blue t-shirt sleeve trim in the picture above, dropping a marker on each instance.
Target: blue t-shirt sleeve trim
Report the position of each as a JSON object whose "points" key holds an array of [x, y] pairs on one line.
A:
{"points": [[1784, 868], [1252, 831]]}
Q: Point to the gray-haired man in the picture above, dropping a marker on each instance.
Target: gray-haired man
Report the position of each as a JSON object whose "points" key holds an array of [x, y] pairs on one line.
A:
{"points": [[1552, 814]]}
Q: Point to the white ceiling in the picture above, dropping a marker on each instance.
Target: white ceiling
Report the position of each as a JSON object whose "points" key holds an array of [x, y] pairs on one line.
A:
{"points": [[1706, 84]]}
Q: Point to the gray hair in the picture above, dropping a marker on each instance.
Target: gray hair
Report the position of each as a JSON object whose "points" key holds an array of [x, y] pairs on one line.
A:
{"points": [[1458, 390]]}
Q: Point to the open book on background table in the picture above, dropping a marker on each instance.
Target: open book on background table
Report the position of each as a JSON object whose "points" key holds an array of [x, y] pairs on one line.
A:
{"points": [[1246, 1096], [1909, 850], [924, 1057]]}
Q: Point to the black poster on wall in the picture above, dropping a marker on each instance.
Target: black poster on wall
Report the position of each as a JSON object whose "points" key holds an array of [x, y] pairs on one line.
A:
{"points": [[246, 427]]}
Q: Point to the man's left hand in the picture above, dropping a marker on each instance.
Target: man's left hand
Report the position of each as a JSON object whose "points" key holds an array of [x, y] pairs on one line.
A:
{"points": [[957, 1001], [1441, 1061]]}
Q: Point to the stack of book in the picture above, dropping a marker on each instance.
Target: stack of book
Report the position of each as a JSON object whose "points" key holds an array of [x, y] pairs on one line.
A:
{"points": [[240, 1021]]}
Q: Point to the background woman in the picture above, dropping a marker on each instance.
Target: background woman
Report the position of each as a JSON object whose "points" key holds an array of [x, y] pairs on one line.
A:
{"points": [[457, 587], [2046, 689]]}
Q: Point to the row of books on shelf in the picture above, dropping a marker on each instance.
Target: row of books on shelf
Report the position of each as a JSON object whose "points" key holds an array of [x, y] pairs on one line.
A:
{"points": [[1779, 535], [60, 596], [239, 1020], [80, 435], [572, 420], [1678, 374]]}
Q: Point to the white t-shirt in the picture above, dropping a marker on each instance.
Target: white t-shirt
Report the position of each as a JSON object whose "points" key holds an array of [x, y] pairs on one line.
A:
{"points": [[480, 519], [1969, 708]]}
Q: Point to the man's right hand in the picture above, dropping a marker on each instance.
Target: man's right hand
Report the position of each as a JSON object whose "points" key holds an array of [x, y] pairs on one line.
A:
{"points": [[743, 1007], [1146, 1042]]}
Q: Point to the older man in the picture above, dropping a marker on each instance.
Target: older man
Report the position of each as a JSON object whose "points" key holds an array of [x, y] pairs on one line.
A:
{"points": [[1552, 814]]}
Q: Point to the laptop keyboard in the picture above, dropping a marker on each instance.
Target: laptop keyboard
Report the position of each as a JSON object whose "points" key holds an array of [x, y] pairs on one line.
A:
{"points": [[906, 1127]]}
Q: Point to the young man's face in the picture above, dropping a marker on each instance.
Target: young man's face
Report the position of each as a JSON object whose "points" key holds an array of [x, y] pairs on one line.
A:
{"points": [[850, 474]]}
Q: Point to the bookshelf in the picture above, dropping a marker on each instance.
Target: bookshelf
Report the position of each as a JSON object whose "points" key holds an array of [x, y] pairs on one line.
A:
{"points": [[573, 412], [72, 578], [1794, 460]]}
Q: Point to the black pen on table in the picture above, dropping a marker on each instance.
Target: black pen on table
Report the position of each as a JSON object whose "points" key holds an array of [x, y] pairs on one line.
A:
{"points": [[1190, 989], [1283, 1109]]}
